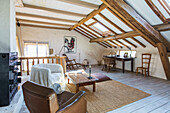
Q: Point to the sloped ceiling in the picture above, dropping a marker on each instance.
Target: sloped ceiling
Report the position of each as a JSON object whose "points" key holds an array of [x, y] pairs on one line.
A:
{"points": [[51, 18]]}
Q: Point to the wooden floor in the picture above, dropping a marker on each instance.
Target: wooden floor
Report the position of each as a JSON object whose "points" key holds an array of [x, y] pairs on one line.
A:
{"points": [[158, 102]]}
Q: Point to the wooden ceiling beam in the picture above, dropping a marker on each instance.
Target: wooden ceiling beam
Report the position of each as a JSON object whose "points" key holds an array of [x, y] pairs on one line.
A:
{"points": [[41, 26], [20, 2], [162, 27], [81, 3], [94, 35], [138, 41], [116, 26], [92, 14], [109, 21], [119, 17], [89, 32], [105, 26], [91, 23], [156, 11], [116, 44], [130, 43], [45, 23], [44, 17], [110, 44], [55, 11], [97, 36], [123, 44], [128, 14], [151, 42], [92, 29], [90, 38], [119, 36], [127, 25]]}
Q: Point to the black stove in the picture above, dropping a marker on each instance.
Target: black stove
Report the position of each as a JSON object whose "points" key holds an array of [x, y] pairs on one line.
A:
{"points": [[9, 80]]}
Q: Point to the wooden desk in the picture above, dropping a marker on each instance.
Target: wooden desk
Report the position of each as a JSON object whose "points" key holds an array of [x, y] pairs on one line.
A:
{"points": [[123, 59]]}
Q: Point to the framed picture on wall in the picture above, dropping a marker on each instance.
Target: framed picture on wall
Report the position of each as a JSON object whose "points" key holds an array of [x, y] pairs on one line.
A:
{"points": [[70, 44]]}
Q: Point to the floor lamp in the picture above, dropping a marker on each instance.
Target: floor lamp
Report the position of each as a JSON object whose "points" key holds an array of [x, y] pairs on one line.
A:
{"points": [[62, 49]]}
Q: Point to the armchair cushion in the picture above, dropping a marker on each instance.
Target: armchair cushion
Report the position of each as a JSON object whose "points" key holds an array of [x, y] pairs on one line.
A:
{"points": [[48, 74]]}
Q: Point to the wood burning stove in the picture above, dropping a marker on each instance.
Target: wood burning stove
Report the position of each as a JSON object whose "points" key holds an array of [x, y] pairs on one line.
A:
{"points": [[9, 80]]}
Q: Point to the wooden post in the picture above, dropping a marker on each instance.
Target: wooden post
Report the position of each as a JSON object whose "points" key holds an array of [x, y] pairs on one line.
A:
{"points": [[48, 60], [43, 60], [52, 60], [57, 60], [61, 61], [27, 66], [33, 62], [164, 58], [38, 61]]}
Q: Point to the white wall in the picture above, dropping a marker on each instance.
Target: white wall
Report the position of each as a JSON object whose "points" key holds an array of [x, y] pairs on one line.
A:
{"points": [[91, 51], [156, 68], [12, 27], [56, 41], [7, 26]]}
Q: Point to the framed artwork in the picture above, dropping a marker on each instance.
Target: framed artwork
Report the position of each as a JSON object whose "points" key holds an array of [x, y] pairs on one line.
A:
{"points": [[70, 44]]}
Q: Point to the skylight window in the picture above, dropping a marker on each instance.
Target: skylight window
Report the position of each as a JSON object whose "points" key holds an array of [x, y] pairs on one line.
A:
{"points": [[165, 4], [100, 27]]}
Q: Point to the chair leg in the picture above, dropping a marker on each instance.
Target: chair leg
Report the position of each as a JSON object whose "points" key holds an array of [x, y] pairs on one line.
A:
{"points": [[142, 71], [137, 72], [107, 69], [148, 72], [145, 72]]}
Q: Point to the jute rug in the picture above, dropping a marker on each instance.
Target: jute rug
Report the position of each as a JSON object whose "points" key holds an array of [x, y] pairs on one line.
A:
{"points": [[109, 95]]}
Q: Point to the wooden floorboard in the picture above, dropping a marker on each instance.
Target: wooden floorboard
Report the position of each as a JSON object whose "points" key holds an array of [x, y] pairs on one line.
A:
{"points": [[158, 102], [153, 105], [158, 88], [141, 103], [162, 109]]}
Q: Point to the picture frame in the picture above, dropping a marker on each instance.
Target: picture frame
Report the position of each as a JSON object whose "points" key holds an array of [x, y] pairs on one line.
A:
{"points": [[70, 44]]}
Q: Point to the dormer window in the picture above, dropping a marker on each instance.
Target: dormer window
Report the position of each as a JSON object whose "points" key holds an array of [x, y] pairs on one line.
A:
{"points": [[100, 28], [165, 4]]}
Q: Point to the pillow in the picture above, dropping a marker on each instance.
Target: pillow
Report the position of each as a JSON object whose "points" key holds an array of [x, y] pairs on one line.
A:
{"points": [[57, 88]]}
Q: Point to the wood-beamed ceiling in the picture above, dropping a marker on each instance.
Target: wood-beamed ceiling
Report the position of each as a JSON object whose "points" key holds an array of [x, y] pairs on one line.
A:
{"points": [[126, 15], [129, 15]]}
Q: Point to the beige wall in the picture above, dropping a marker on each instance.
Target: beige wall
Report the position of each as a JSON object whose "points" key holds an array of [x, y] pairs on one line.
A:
{"points": [[90, 51], [56, 41], [156, 68]]}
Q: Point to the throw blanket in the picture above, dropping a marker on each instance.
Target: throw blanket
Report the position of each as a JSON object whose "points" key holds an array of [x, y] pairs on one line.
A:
{"points": [[48, 74]]}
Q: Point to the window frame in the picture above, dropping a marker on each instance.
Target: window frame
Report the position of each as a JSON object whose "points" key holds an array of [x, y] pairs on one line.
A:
{"points": [[36, 43], [128, 51]]}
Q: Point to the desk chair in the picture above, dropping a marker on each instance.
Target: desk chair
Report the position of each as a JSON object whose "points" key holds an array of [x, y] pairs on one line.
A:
{"points": [[108, 63], [146, 59]]}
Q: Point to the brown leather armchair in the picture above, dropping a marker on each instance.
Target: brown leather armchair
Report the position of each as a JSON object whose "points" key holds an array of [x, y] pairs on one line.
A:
{"points": [[40, 99]]}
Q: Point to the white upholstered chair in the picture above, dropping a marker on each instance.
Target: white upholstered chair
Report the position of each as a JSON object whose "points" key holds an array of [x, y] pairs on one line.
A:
{"points": [[48, 74]]}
